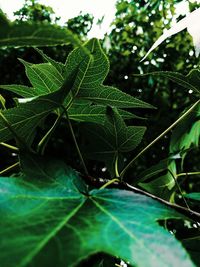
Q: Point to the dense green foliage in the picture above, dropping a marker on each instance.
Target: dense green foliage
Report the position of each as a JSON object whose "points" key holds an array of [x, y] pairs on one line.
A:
{"points": [[71, 113]]}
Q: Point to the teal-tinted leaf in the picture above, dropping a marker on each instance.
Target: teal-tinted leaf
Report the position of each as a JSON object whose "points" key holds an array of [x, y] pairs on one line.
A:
{"points": [[21, 90], [194, 196], [187, 133], [193, 248], [33, 34], [190, 81], [51, 217], [108, 141]]}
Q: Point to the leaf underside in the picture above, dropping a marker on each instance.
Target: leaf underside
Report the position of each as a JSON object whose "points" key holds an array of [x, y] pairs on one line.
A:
{"points": [[50, 223]]}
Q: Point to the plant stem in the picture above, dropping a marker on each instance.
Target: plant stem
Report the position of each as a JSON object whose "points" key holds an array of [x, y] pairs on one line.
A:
{"points": [[9, 146], [9, 126], [75, 142], [179, 189], [9, 168], [187, 173], [99, 183], [42, 144], [158, 138], [109, 183], [116, 167]]}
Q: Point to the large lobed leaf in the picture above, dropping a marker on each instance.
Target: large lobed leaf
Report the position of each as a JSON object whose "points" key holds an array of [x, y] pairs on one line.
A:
{"points": [[83, 74], [33, 34], [49, 222], [20, 122], [92, 68], [108, 141]]}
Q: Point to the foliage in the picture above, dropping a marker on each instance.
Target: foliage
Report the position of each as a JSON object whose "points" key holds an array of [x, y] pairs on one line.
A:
{"points": [[30, 34], [50, 214], [81, 223], [80, 24], [34, 11]]}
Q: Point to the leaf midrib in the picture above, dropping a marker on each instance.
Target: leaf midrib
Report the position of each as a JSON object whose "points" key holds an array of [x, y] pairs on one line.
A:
{"points": [[138, 241], [29, 118], [55, 230]]}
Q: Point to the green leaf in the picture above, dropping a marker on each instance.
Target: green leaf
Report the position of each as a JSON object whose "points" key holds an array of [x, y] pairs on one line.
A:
{"points": [[187, 133], [44, 77], [92, 87], [85, 111], [21, 90], [193, 196], [21, 121], [190, 81], [158, 180], [89, 66], [26, 117], [108, 141], [58, 65], [33, 34], [51, 217]]}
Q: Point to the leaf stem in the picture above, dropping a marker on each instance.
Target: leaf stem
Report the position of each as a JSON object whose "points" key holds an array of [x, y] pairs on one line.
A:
{"points": [[187, 174], [9, 126], [109, 183], [179, 189], [43, 142], [116, 167], [158, 138], [75, 142], [9, 146], [9, 168]]}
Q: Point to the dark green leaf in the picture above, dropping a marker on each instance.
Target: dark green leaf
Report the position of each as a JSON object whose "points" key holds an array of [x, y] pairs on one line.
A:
{"points": [[108, 141], [33, 34], [193, 248], [93, 73], [193, 196], [58, 65], [160, 182], [44, 78], [51, 217], [85, 111], [187, 133], [23, 119], [21, 90], [190, 81]]}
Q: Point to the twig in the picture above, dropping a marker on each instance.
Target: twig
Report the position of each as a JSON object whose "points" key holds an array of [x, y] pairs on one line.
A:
{"points": [[75, 142], [9, 168], [46, 137], [187, 174], [179, 189], [158, 138], [9, 146], [99, 182]]}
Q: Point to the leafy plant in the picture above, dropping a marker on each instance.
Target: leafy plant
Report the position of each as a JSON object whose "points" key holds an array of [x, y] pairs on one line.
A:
{"points": [[51, 215]]}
